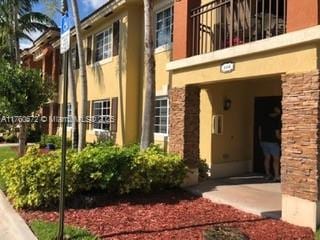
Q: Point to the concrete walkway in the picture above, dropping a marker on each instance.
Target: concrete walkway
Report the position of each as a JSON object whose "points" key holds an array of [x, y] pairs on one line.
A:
{"points": [[9, 145], [251, 194], [12, 226]]}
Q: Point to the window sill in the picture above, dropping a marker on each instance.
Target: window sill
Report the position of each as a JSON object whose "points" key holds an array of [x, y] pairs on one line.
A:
{"points": [[102, 62], [99, 131], [161, 137], [163, 48]]}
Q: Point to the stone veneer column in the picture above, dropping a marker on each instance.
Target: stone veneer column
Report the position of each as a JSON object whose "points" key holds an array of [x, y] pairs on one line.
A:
{"points": [[184, 126], [300, 148]]}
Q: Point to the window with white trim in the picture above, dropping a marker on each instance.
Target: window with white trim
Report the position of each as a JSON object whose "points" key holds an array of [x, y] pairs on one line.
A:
{"points": [[69, 115], [162, 115], [102, 114], [164, 27], [103, 44]]}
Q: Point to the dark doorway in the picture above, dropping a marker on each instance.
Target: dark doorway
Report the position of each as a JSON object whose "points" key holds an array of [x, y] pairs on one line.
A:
{"points": [[262, 106]]}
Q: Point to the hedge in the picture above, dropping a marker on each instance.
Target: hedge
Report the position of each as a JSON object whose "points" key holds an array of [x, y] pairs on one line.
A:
{"points": [[33, 180], [53, 139]]}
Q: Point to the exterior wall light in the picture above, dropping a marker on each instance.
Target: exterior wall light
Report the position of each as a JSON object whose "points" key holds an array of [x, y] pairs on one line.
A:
{"points": [[227, 104]]}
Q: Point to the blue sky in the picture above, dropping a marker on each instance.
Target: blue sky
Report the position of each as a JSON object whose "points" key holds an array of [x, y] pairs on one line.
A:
{"points": [[85, 7]]}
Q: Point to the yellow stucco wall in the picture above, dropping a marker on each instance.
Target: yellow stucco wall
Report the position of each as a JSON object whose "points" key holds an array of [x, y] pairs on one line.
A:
{"points": [[162, 86], [289, 60], [123, 76], [236, 142], [163, 55], [255, 75], [117, 76]]}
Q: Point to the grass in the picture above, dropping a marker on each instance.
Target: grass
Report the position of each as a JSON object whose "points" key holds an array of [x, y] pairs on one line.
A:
{"points": [[48, 231], [6, 153], [318, 235]]}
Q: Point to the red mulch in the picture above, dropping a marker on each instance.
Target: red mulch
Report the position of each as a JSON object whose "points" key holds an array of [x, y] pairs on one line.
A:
{"points": [[168, 215]]}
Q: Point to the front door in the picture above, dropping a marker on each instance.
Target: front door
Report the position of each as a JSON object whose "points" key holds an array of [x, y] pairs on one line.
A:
{"points": [[263, 106]]}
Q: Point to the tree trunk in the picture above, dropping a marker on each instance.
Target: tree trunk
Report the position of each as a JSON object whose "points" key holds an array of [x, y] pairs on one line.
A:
{"points": [[22, 138], [147, 135], [15, 34], [83, 78], [16, 44], [74, 105]]}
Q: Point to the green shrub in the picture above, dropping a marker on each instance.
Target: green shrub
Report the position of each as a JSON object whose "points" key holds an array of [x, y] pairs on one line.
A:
{"points": [[53, 139], [34, 179], [154, 169], [203, 170], [10, 138], [34, 133], [224, 233], [104, 167]]}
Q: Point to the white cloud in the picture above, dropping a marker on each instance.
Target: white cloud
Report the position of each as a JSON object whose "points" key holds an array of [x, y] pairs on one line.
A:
{"points": [[35, 35], [25, 43], [94, 3]]}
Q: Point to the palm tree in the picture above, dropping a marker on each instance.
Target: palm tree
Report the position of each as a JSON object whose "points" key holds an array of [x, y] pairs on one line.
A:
{"points": [[147, 135], [73, 101], [17, 21], [83, 76]]}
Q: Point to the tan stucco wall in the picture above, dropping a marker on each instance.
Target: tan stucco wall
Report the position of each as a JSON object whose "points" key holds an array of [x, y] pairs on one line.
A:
{"points": [[163, 55], [252, 78], [293, 59], [255, 75], [117, 76], [122, 76], [236, 142]]}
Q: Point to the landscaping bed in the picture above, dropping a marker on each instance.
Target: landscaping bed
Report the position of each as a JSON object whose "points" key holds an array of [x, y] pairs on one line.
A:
{"points": [[171, 214]]}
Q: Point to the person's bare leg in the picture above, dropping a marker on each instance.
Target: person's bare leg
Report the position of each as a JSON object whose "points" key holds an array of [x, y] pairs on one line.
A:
{"points": [[267, 160], [276, 167]]}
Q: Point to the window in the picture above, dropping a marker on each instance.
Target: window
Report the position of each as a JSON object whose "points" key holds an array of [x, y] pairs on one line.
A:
{"points": [[69, 115], [162, 115], [164, 27], [101, 112], [104, 44]]}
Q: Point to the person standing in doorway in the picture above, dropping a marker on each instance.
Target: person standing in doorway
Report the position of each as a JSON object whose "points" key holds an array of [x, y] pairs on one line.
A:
{"points": [[270, 137]]}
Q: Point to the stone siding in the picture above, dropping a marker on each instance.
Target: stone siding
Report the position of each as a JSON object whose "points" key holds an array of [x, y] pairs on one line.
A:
{"points": [[300, 135], [185, 123]]}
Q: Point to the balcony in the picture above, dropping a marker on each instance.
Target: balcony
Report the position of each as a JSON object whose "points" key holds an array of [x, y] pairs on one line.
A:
{"points": [[225, 23]]}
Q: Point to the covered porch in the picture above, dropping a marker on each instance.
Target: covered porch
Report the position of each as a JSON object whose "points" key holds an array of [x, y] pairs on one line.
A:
{"points": [[230, 115]]}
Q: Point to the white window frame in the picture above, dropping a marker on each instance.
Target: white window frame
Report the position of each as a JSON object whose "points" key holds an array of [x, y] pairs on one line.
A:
{"points": [[167, 46], [101, 115], [108, 58], [160, 98]]}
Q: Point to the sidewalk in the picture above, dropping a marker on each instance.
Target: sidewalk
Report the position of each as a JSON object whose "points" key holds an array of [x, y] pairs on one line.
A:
{"points": [[12, 226], [251, 194], [9, 145]]}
